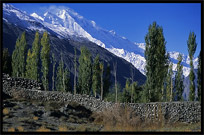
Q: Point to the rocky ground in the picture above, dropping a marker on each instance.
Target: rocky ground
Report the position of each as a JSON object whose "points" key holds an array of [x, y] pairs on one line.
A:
{"points": [[24, 115]]}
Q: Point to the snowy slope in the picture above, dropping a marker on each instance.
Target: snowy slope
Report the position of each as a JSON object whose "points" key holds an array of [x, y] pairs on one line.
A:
{"points": [[66, 23]]}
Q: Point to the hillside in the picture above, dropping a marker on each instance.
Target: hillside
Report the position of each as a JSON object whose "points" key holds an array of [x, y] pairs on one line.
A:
{"points": [[66, 47]]}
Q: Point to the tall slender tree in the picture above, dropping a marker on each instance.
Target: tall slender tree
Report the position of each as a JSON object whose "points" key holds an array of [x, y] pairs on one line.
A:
{"points": [[96, 75], [60, 74], [156, 63], [115, 74], [15, 59], [6, 61], [67, 80], [85, 71], [53, 71], [191, 42], [101, 74], [19, 57], [169, 88], [29, 71], [199, 77], [22, 55], [126, 90], [45, 59], [132, 78], [179, 80], [36, 57], [107, 81], [75, 70]]}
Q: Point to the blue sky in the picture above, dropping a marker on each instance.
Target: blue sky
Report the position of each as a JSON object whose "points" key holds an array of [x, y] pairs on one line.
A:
{"points": [[131, 20]]}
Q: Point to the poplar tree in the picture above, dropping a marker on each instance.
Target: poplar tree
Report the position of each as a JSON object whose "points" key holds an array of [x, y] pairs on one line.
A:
{"points": [[169, 88], [85, 71], [132, 78], [19, 57], [60, 73], [156, 63], [126, 91], [101, 74], [45, 59], [29, 62], [199, 77], [115, 74], [75, 71], [22, 55], [107, 81], [53, 71], [15, 59], [6, 61], [96, 76], [36, 58], [67, 81], [179, 80], [191, 42]]}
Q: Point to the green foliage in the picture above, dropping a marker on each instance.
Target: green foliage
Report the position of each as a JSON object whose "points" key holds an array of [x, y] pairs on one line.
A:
{"points": [[36, 58], [178, 86], [191, 50], [85, 71], [169, 87], [199, 77], [45, 58], [107, 81], [6, 61], [29, 66], [67, 80], [59, 79], [75, 70], [96, 76], [129, 88], [19, 57], [111, 95], [126, 92], [156, 63], [53, 71], [101, 75]]}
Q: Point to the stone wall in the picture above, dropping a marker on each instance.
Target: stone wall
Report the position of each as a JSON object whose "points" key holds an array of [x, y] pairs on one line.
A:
{"points": [[170, 111]]}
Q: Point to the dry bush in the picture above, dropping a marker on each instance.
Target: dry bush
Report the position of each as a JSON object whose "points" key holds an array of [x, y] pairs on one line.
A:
{"points": [[35, 118], [43, 129], [118, 118], [20, 128], [11, 129], [124, 118], [6, 111], [63, 128]]}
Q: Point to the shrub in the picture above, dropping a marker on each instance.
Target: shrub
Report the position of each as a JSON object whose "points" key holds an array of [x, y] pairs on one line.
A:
{"points": [[63, 128], [5, 111], [43, 129]]}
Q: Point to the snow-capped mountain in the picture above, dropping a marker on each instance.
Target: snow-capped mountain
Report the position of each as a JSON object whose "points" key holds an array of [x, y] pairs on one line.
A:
{"points": [[66, 23]]}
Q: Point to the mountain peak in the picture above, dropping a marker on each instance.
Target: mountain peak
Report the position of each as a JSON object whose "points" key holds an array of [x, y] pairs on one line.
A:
{"points": [[7, 6], [35, 15]]}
